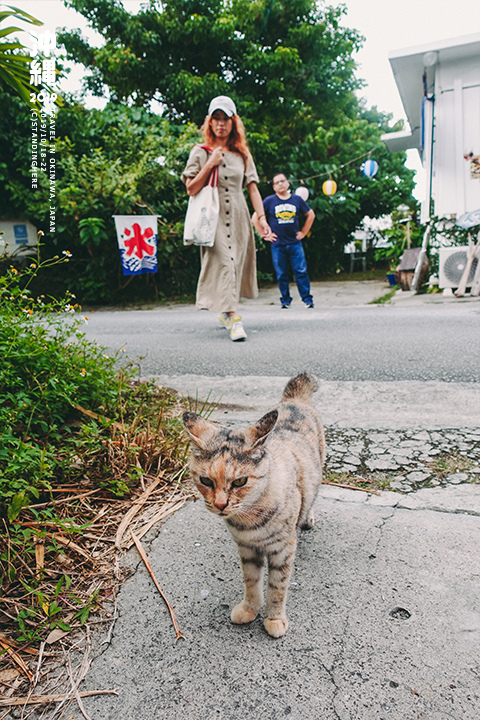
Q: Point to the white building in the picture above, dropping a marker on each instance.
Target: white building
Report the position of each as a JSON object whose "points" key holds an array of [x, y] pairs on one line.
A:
{"points": [[18, 237], [439, 85]]}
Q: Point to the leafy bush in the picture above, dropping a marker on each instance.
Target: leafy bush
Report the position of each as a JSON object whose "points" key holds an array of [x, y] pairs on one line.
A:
{"points": [[445, 232], [48, 369]]}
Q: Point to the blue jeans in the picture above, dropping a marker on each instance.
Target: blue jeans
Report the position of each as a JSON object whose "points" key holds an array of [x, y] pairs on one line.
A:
{"points": [[294, 255]]}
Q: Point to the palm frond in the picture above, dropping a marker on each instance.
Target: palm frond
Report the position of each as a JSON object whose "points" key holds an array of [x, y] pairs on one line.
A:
{"points": [[14, 56]]}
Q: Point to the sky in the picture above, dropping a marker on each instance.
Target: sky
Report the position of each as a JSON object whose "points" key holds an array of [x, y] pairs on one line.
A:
{"points": [[387, 25]]}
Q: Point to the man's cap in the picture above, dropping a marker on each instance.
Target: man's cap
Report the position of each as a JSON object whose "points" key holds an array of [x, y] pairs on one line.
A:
{"points": [[222, 102]]}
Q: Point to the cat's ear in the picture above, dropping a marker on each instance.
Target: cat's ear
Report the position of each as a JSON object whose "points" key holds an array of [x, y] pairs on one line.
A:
{"points": [[257, 434], [201, 432]]}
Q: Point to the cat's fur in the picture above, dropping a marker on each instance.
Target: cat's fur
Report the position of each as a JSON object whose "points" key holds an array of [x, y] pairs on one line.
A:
{"points": [[263, 480]]}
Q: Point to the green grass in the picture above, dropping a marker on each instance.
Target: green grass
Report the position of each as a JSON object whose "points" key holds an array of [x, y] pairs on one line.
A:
{"points": [[448, 464], [383, 299]]}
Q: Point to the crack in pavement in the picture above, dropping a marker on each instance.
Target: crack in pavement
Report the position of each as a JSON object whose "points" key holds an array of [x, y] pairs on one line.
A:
{"points": [[461, 499]]}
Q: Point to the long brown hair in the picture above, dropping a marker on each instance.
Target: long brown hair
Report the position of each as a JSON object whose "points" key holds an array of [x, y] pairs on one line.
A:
{"points": [[237, 141]]}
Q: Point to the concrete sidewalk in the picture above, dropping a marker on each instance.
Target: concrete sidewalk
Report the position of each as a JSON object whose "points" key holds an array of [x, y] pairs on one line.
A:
{"points": [[354, 293], [384, 611], [329, 293]]}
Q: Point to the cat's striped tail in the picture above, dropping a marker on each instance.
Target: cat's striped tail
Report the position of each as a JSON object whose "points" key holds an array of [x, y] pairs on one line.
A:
{"points": [[301, 386]]}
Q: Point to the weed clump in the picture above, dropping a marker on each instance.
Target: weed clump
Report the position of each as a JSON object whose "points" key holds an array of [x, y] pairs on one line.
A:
{"points": [[80, 440]]}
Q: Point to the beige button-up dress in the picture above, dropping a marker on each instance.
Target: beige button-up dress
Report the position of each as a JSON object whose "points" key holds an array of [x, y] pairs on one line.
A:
{"points": [[229, 268]]}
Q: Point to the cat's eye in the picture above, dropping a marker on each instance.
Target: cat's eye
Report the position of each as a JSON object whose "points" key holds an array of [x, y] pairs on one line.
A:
{"points": [[240, 482], [206, 481]]}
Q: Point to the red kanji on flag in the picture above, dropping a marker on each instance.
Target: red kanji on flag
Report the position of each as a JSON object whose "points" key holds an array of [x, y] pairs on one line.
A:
{"points": [[137, 244]]}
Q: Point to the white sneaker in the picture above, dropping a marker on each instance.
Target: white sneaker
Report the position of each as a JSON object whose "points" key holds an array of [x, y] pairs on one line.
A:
{"points": [[237, 331], [225, 320]]}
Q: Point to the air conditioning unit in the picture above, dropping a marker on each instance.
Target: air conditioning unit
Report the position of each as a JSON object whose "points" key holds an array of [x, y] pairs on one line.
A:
{"points": [[452, 263]]}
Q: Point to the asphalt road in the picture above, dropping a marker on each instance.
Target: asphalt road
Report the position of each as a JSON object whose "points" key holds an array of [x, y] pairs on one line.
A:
{"points": [[432, 342]]}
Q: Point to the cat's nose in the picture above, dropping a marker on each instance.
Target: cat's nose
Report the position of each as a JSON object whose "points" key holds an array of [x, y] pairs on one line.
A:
{"points": [[221, 501]]}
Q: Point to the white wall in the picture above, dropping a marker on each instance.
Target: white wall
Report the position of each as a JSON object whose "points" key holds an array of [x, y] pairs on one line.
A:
{"points": [[457, 133]]}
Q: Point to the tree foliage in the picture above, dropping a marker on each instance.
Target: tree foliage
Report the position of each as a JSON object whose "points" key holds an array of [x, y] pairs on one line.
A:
{"points": [[287, 64], [274, 58], [106, 164], [132, 166]]}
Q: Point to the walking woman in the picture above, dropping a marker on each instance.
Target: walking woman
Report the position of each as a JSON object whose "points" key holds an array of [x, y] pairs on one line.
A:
{"points": [[228, 269]]}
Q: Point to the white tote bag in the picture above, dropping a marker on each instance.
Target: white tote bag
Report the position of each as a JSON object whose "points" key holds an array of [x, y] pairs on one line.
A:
{"points": [[201, 219]]}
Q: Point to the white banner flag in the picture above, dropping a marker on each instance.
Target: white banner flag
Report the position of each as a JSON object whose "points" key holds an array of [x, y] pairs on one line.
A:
{"points": [[137, 241]]}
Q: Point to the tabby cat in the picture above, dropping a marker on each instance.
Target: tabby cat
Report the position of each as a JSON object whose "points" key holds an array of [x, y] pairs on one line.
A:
{"points": [[263, 479]]}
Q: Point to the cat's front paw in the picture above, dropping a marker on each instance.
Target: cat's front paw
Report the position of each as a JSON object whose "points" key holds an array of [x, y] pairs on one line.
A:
{"points": [[243, 614], [276, 627], [307, 525], [309, 522]]}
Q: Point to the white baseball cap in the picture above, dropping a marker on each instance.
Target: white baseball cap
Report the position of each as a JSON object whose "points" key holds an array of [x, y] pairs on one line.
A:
{"points": [[222, 102]]}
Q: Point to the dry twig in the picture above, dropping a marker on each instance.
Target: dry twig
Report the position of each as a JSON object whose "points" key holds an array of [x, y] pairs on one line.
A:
{"points": [[108, 639], [46, 699], [75, 683], [166, 510], [145, 559], [350, 487], [136, 505], [16, 659], [96, 416]]}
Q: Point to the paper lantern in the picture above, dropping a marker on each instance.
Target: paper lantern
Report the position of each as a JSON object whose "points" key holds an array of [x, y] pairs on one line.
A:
{"points": [[303, 192], [329, 187], [369, 168]]}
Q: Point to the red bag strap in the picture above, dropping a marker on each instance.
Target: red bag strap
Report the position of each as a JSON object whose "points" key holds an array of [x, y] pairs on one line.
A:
{"points": [[213, 177]]}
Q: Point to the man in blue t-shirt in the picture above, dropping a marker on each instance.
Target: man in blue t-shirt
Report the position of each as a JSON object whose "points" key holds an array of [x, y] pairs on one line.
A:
{"points": [[282, 212]]}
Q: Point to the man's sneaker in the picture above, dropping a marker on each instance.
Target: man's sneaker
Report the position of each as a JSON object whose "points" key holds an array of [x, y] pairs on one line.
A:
{"points": [[225, 320], [285, 306], [310, 305], [237, 331]]}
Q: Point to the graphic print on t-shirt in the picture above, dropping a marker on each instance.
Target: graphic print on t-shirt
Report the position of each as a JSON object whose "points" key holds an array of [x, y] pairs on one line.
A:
{"points": [[285, 213]]}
